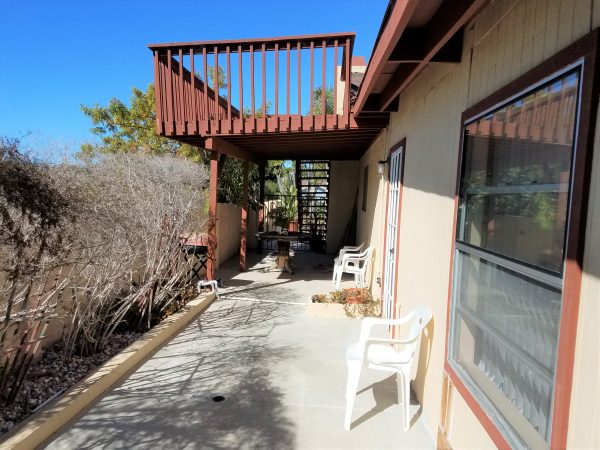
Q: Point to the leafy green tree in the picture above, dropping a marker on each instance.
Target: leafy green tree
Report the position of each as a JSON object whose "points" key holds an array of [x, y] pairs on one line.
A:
{"points": [[318, 101], [221, 77], [124, 129], [258, 112]]}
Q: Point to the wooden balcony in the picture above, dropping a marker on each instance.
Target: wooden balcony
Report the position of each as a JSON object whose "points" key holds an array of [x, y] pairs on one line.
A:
{"points": [[266, 88]]}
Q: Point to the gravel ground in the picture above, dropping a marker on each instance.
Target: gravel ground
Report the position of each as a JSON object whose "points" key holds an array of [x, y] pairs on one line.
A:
{"points": [[50, 376]]}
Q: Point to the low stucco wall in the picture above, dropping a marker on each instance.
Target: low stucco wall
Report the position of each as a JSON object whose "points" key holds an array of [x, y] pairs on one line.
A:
{"points": [[228, 231]]}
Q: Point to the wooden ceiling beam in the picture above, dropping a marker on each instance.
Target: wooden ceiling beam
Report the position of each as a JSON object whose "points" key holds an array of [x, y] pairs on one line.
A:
{"points": [[227, 148]]}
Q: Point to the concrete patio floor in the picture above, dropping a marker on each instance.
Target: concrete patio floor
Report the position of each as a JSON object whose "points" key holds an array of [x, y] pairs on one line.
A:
{"points": [[282, 374]]}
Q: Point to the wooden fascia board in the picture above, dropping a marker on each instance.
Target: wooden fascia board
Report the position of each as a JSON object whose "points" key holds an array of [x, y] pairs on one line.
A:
{"points": [[449, 19], [399, 18]]}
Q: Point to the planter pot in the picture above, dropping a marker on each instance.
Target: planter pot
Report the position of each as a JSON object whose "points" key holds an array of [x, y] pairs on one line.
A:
{"points": [[326, 310], [354, 296]]}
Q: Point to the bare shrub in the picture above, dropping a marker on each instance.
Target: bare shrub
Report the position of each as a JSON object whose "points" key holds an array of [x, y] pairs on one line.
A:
{"points": [[98, 243], [132, 214], [32, 213]]}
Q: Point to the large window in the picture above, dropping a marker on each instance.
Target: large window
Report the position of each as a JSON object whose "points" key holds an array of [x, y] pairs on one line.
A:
{"points": [[510, 245]]}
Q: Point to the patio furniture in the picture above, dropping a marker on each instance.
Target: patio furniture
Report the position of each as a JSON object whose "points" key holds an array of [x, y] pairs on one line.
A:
{"points": [[337, 262], [382, 354], [212, 284], [284, 260], [354, 263]]}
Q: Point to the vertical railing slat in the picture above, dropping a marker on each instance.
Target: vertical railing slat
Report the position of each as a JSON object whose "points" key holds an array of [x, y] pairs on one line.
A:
{"points": [[276, 86], [205, 100], [312, 77], [264, 85], [299, 46], [323, 87], [193, 93], [169, 93], [217, 103], [289, 76], [181, 121], [241, 84], [335, 81], [228, 53], [347, 85], [252, 88], [157, 96]]}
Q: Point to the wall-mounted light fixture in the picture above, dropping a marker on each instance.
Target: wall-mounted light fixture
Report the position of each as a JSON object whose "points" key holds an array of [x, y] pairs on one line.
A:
{"points": [[381, 166]]}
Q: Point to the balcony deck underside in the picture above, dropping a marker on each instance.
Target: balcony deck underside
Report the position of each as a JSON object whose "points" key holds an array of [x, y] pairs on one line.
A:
{"points": [[346, 144]]}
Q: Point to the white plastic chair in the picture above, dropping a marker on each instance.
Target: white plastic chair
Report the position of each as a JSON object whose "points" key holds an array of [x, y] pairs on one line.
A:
{"points": [[337, 262], [379, 354], [354, 263]]}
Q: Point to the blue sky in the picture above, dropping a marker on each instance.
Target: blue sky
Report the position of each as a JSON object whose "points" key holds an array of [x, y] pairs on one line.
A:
{"points": [[58, 55]]}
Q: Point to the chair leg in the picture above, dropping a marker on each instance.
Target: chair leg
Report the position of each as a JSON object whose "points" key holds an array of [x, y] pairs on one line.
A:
{"points": [[338, 278], [358, 278], [351, 388], [406, 400]]}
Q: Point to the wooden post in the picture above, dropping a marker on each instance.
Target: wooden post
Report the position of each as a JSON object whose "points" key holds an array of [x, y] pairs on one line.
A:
{"points": [[212, 215], [244, 219], [261, 202]]}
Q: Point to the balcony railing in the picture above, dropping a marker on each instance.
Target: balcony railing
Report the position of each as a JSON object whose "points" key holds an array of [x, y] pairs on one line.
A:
{"points": [[253, 86]]}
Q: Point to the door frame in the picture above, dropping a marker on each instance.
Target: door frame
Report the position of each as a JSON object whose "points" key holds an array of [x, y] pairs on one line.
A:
{"points": [[399, 146]]}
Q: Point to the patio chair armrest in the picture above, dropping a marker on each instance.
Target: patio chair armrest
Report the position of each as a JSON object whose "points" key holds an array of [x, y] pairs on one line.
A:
{"points": [[392, 341], [349, 249], [369, 322], [351, 257]]}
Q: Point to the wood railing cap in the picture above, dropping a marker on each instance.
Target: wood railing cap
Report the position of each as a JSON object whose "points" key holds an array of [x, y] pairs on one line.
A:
{"points": [[245, 43]]}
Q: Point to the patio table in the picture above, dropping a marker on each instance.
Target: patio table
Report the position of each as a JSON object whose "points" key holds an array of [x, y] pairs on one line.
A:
{"points": [[284, 260]]}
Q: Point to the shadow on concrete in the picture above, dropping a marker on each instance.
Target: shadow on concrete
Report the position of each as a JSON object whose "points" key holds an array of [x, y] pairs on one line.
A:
{"points": [[168, 402], [385, 394]]}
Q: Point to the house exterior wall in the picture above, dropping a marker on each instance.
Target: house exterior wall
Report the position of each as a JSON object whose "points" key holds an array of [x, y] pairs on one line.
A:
{"points": [[342, 193], [504, 41], [369, 227]]}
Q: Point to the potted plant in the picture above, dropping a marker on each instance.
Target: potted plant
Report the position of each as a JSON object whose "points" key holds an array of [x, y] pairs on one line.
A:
{"points": [[350, 303], [280, 217]]}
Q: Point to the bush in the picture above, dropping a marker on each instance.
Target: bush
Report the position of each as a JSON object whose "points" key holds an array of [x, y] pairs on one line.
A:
{"points": [[98, 243]]}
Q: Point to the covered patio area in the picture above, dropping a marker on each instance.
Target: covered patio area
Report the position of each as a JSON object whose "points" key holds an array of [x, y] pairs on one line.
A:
{"points": [[282, 375]]}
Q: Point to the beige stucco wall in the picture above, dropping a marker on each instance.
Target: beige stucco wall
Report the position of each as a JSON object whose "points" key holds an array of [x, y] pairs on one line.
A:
{"points": [[228, 231], [505, 40], [343, 187], [369, 227]]}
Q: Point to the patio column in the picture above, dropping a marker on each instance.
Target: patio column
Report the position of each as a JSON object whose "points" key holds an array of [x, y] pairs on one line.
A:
{"points": [[244, 223], [212, 215], [261, 202]]}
